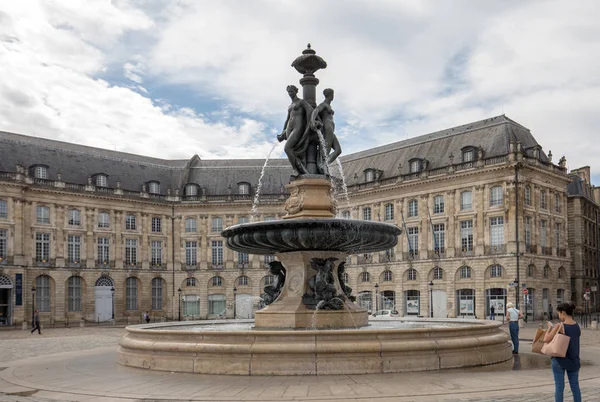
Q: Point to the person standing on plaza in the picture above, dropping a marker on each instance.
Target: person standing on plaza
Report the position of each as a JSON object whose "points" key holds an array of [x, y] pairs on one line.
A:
{"points": [[513, 325], [36, 322], [492, 313], [147, 317], [550, 311], [570, 363]]}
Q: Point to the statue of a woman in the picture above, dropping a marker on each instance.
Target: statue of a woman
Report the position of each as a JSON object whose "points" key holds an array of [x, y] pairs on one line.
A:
{"points": [[296, 131], [322, 119]]}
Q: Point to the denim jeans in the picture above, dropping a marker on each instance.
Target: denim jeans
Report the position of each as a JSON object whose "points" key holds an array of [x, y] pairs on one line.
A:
{"points": [[559, 382], [513, 326]]}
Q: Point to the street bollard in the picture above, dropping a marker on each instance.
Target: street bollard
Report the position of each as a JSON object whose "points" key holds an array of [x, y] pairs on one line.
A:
{"points": [[81, 323], [594, 325]]}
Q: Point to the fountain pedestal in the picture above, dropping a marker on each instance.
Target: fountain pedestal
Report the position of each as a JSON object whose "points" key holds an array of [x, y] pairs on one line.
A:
{"points": [[289, 310], [309, 198]]}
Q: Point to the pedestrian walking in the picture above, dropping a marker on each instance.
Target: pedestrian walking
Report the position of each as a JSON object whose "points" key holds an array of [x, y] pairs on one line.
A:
{"points": [[147, 317], [550, 311], [36, 322], [514, 316], [570, 363], [492, 313]]}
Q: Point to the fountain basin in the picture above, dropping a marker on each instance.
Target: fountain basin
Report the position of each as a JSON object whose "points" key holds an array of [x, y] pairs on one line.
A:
{"points": [[317, 234], [463, 343]]}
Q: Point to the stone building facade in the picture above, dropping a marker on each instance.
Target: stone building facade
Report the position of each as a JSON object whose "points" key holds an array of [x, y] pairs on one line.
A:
{"points": [[90, 229], [583, 211]]}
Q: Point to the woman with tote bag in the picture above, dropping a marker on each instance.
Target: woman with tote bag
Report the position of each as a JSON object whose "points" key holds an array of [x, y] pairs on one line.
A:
{"points": [[570, 363]]}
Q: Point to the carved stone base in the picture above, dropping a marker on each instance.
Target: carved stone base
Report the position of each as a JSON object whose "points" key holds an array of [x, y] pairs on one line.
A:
{"points": [[309, 198], [288, 311]]}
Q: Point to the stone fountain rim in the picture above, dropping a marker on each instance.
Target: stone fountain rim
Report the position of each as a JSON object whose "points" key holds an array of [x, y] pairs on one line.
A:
{"points": [[152, 328], [306, 222]]}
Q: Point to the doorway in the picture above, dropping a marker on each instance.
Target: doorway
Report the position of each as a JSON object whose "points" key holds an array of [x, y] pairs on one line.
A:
{"points": [[243, 306], [440, 304], [6, 287], [103, 298]]}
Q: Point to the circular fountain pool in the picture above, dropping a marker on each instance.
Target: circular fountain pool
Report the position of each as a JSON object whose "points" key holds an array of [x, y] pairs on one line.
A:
{"points": [[225, 347]]}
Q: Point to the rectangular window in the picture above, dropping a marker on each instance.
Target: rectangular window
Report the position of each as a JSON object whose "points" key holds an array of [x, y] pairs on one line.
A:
{"points": [[217, 224], [74, 249], [130, 251], [439, 237], [438, 204], [269, 258], [528, 196], [3, 209], [191, 249], [156, 224], [157, 294], [543, 200], [415, 166], [413, 240], [74, 294], [527, 231], [557, 207], [42, 214], [130, 222], [216, 304], [497, 231], [367, 214], [468, 156], [191, 305], [243, 219], [190, 225], [466, 236], [131, 294], [466, 201], [103, 250], [543, 233], [243, 258], [103, 220], [3, 244], [557, 235], [413, 208], [74, 217], [42, 293], [156, 251], [389, 212], [217, 252], [496, 196], [42, 247]]}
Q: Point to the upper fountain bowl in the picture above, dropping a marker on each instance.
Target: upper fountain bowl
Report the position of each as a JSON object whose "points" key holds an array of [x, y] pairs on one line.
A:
{"points": [[345, 235]]}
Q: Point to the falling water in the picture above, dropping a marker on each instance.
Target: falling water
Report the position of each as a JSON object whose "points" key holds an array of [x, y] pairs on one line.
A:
{"points": [[254, 214], [344, 186], [323, 147]]}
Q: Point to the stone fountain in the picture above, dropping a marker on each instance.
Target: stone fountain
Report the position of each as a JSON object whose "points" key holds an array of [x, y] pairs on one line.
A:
{"points": [[310, 324]]}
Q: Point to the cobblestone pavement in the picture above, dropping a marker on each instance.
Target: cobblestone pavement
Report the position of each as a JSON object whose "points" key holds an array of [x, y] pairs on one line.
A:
{"points": [[74, 363]]}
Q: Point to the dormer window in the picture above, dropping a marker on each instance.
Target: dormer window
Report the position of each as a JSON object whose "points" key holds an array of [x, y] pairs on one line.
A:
{"points": [[415, 165], [101, 180], [243, 188], [369, 175], [468, 155], [40, 172], [154, 187], [191, 189]]}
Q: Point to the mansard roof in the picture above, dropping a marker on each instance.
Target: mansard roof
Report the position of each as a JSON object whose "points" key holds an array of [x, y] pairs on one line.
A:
{"points": [[76, 163]]}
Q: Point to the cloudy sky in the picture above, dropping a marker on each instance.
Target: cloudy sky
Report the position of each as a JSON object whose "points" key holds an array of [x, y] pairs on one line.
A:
{"points": [[174, 78]]}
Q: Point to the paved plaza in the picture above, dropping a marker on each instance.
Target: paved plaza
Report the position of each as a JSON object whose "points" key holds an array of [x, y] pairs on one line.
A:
{"points": [[79, 364]]}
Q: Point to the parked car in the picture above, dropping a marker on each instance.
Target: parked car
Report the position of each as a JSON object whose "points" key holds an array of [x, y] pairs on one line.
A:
{"points": [[385, 314]]}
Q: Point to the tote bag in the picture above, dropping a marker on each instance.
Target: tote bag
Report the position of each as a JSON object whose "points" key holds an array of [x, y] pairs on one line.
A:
{"points": [[558, 346], [538, 341]]}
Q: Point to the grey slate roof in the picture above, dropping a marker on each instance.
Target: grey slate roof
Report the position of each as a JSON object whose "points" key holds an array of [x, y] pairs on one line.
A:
{"points": [[77, 162], [579, 188]]}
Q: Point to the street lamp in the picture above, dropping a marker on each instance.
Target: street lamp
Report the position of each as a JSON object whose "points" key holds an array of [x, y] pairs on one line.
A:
{"points": [[234, 300], [431, 299], [32, 306], [112, 293], [376, 298], [179, 292]]}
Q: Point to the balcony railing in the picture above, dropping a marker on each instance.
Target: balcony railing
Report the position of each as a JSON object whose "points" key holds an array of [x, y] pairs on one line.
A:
{"points": [[387, 257], [218, 267], [467, 253], [546, 250], [158, 267], [244, 265], [362, 259], [496, 249], [439, 253], [411, 255], [105, 264], [44, 263]]}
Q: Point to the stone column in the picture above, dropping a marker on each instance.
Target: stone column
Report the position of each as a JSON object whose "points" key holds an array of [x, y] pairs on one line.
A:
{"points": [[450, 223], [89, 238], [143, 257], [117, 246]]}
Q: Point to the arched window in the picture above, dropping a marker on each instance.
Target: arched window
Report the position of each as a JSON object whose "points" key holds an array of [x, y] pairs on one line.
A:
{"points": [[496, 196], [243, 280], [411, 274], [438, 273], [528, 196], [190, 189], [495, 271], [531, 270], [104, 281], [465, 272], [413, 208], [244, 188], [190, 225], [269, 279], [468, 155], [387, 276], [154, 187], [438, 204], [42, 293], [216, 281], [389, 212], [131, 294], [367, 213], [157, 294], [74, 293], [365, 277], [190, 282]]}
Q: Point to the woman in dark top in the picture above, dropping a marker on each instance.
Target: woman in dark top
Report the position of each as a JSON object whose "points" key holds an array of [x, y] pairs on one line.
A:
{"points": [[570, 363]]}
